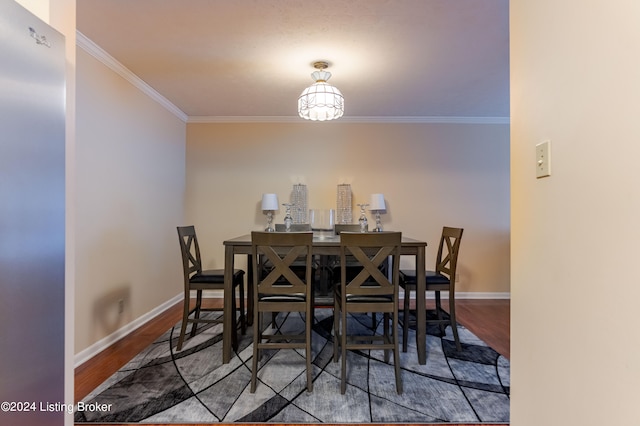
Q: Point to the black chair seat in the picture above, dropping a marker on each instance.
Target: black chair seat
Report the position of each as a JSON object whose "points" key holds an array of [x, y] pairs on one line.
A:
{"points": [[368, 299], [283, 298], [214, 276], [409, 277]]}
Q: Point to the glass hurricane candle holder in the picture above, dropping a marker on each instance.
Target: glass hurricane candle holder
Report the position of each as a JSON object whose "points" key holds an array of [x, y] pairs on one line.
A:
{"points": [[322, 222], [364, 223], [288, 219]]}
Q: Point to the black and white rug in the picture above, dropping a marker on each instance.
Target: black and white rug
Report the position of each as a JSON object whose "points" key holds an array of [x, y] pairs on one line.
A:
{"points": [[161, 385]]}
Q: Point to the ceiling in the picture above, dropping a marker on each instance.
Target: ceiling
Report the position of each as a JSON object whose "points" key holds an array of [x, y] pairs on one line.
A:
{"points": [[391, 59]]}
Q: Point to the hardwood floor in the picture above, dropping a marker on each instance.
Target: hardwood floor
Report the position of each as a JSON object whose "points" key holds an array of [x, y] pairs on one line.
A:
{"points": [[487, 319]]}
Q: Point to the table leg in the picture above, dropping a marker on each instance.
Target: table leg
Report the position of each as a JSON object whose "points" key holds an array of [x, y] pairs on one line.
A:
{"points": [[228, 301], [421, 308]]}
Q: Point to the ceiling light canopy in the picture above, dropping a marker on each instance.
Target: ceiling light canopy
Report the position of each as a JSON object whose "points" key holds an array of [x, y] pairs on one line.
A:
{"points": [[320, 101]]}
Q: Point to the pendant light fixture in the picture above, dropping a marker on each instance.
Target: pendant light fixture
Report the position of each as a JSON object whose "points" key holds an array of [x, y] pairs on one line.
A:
{"points": [[321, 101]]}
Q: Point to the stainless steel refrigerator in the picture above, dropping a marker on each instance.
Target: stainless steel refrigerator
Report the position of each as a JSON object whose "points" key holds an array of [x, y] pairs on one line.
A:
{"points": [[32, 219]]}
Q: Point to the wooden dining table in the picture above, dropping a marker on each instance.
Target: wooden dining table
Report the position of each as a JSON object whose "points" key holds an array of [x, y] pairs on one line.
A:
{"points": [[321, 246]]}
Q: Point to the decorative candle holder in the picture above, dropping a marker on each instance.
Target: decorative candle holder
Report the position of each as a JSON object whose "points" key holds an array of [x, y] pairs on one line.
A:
{"points": [[299, 203], [288, 220], [322, 222], [345, 214], [364, 223]]}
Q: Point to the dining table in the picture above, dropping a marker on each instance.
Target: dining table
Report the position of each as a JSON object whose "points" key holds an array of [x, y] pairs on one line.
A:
{"points": [[329, 246]]}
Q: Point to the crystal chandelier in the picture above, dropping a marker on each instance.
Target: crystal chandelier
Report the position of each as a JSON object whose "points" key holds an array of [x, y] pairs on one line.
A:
{"points": [[320, 101]]}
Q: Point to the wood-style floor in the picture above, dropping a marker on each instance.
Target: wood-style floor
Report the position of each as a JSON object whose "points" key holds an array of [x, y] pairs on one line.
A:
{"points": [[487, 319]]}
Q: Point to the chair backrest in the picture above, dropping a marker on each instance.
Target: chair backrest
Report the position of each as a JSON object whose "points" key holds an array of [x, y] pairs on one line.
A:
{"points": [[280, 227], [281, 249], [370, 250], [295, 227], [191, 261], [339, 228], [447, 258]]}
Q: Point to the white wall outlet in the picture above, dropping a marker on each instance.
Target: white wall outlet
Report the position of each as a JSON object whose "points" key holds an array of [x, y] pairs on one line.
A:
{"points": [[543, 159], [120, 306]]}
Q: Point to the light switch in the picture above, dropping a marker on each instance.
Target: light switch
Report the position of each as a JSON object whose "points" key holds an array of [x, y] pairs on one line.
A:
{"points": [[543, 159]]}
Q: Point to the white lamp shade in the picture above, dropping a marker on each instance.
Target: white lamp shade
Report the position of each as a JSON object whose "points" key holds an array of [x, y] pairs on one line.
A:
{"points": [[270, 202], [377, 202]]}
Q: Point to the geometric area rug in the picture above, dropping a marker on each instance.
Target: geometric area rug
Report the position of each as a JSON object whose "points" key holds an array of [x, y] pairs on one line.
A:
{"points": [[161, 385]]}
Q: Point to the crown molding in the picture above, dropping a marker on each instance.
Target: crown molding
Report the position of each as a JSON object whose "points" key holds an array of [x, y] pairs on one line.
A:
{"points": [[401, 120], [100, 54]]}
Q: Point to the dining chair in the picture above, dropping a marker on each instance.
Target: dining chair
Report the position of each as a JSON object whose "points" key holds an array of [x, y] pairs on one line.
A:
{"points": [[300, 264], [442, 279], [281, 289], [353, 266], [196, 279], [369, 291]]}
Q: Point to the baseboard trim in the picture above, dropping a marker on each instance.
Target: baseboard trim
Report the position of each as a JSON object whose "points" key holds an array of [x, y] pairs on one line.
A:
{"points": [[88, 353], [478, 295], [472, 295]]}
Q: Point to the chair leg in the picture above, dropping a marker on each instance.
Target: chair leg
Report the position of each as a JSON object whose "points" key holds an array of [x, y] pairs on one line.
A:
{"points": [[234, 323], [185, 317], [405, 319], [396, 355], [336, 330], [386, 334], [439, 314], [454, 321], [256, 352], [243, 312], [307, 354], [343, 344], [196, 314]]}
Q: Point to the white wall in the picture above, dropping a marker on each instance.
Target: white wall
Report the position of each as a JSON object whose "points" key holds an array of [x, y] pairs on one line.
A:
{"points": [[130, 177], [431, 175], [575, 288]]}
